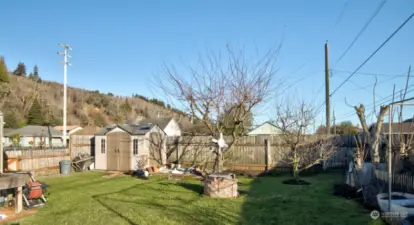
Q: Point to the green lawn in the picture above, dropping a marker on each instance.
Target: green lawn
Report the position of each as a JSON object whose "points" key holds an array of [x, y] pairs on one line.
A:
{"points": [[87, 198]]}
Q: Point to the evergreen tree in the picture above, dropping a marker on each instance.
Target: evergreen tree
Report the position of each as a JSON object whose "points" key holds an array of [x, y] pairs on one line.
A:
{"points": [[99, 120], [4, 77], [126, 108], [10, 120], [35, 116], [36, 76], [20, 70], [31, 76]]}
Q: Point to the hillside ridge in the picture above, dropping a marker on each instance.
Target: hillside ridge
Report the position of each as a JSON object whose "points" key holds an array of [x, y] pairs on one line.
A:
{"points": [[85, 107]]}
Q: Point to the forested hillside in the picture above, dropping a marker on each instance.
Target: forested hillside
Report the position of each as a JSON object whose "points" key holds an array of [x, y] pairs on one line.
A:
{"points": [[26, 99]]}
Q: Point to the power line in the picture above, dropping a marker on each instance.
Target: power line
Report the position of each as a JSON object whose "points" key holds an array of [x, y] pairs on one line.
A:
{"points": [[374, 74], [340, 15], [364, 88], [381, 101], [296, 82], [382, 45], [319, 90], [377, 10], [383, 81]]}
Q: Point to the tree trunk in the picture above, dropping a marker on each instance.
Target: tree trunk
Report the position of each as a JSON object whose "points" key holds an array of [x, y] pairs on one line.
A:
{"points": [[295, 165]]}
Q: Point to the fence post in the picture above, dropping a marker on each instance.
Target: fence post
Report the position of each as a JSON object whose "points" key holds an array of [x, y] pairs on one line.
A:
{"points": [[268, 155]]}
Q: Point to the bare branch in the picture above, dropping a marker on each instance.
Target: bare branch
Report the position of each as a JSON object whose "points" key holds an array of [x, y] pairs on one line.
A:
{"points": [[221, 83]]}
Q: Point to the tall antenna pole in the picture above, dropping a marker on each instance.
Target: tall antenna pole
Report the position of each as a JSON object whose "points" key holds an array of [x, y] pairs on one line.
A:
{"points": [[1, 142], [65, 65], [327, 100], [334, 125]]}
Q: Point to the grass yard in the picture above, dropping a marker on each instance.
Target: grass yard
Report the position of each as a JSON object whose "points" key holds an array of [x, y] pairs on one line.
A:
{"points": [[88, 198]]}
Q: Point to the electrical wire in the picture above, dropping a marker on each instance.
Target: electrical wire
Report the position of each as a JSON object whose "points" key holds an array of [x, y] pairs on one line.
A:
{"points": [[382, 101], [374, 74], [340, 16], [371, 85], [369, 58], [377, 10]]}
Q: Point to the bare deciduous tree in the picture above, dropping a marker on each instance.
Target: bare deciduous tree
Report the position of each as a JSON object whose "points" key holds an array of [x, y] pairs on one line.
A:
{"points": [[374, 133], [220, 83], [293, 120], [142, 162]]}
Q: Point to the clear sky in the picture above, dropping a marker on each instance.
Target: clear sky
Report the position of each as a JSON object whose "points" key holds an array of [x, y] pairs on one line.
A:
{"points": [[119, 45]]}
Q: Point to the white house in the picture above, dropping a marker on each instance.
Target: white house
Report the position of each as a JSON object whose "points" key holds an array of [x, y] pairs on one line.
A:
{"points": [[122, 147], [69, 129], [33, 135], [169, 125], [266, 128]]}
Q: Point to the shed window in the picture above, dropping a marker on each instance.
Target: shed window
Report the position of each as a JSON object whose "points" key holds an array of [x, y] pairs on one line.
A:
{"points": [[103, 146], [135, 147]]}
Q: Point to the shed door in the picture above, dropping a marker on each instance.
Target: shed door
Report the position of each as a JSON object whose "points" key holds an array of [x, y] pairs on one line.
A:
{"points": [[118, 157], [125, 152]]}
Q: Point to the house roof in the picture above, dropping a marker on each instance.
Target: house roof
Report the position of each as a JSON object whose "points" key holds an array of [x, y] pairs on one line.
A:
{"points": [[132, 129], [35, 131], [69, 128], [267, 122], [161, 122], [7, 130], [405, 128], [89, 130]]}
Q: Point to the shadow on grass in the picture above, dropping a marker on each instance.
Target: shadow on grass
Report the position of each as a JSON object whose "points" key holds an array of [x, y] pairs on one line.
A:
{"points": [[96, 198], [269, 201], [197, 188], [178, 208]]}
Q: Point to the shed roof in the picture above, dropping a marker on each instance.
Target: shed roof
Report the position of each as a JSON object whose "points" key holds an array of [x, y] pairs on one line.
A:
{"points": [[161, 122], [35, 131], [132, 129]]}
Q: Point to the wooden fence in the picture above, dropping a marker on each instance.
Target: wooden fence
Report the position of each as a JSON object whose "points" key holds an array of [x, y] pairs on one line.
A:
{"points": [[249, 153], [43, 161], [82, 144], [400, 182]]}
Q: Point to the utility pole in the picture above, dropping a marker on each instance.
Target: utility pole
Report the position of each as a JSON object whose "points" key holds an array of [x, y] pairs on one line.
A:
{"points": [[327, 97], [1, 142], [334, 125], [65, 65]]}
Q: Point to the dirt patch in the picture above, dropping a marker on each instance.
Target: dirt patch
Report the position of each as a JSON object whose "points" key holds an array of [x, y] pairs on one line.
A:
{"points": [[13, 217], [112, 174]]}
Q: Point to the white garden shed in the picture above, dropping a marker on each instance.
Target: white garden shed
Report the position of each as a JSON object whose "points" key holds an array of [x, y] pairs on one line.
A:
{"points": [[121, 147]]}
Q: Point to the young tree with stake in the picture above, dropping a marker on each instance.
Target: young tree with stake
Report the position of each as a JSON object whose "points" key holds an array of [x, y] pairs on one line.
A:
{"points": [[293, 120]]}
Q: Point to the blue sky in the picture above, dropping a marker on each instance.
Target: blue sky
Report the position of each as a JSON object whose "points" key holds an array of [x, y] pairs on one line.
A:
{"points": [[130, 40]]}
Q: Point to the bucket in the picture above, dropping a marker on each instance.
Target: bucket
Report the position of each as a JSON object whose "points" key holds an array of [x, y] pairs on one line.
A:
{"points": [[64, 166]]}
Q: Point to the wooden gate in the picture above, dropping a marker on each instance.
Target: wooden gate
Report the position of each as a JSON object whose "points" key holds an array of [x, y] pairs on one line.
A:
{"points": [[119, 151]]}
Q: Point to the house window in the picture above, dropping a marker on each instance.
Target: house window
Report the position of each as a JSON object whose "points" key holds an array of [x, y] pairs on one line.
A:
{"points": [[135, 147], [103, 146]]}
